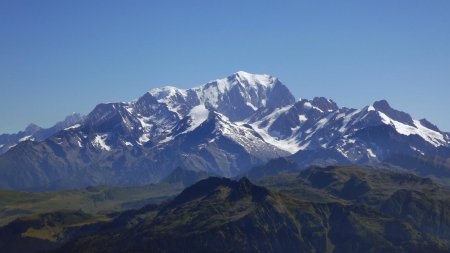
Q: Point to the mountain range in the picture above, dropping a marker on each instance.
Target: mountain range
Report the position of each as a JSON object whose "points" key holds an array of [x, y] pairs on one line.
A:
{"points": [[224, 127]]}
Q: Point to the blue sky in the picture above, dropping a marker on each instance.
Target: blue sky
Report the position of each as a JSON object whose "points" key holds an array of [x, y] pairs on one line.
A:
{"points": [[58, 57]]}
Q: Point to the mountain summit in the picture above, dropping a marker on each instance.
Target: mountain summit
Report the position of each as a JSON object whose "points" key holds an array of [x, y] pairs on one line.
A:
{"points": [[237, 96]]}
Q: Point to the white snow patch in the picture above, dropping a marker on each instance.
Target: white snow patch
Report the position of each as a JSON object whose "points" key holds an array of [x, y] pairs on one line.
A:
{"points": [[99, 142], [340, 150], [290, 145], [317, 108], [130, 109], [72, 127], [431, 136], [370, 153], [26, 138], [144, 138], [198, 115], [340, 115], [127, 143], [251, 106], [417, 150], [302, 118], [307, 105], [322, 122], [264, 102]]}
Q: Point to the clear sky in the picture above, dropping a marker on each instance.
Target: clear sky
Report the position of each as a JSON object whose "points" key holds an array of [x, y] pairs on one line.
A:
{"points": [[58, 57]]}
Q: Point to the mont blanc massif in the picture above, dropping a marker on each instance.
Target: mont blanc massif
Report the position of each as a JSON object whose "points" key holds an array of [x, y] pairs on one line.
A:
{"points": [[235, 165]]}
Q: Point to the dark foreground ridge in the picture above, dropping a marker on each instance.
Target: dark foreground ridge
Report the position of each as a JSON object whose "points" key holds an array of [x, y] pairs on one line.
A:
{"points": [[320, 209], [332, 209], [218, 214]]}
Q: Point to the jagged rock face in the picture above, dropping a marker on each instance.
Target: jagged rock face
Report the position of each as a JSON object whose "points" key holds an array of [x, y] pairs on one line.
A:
{"points": [[223, 127]]}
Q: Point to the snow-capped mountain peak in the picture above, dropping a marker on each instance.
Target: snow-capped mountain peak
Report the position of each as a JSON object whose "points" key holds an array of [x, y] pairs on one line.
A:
{"points": [[384, 107], [236, 96], [177, 100], [255, 79], [167, 92], [249, 86]]}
